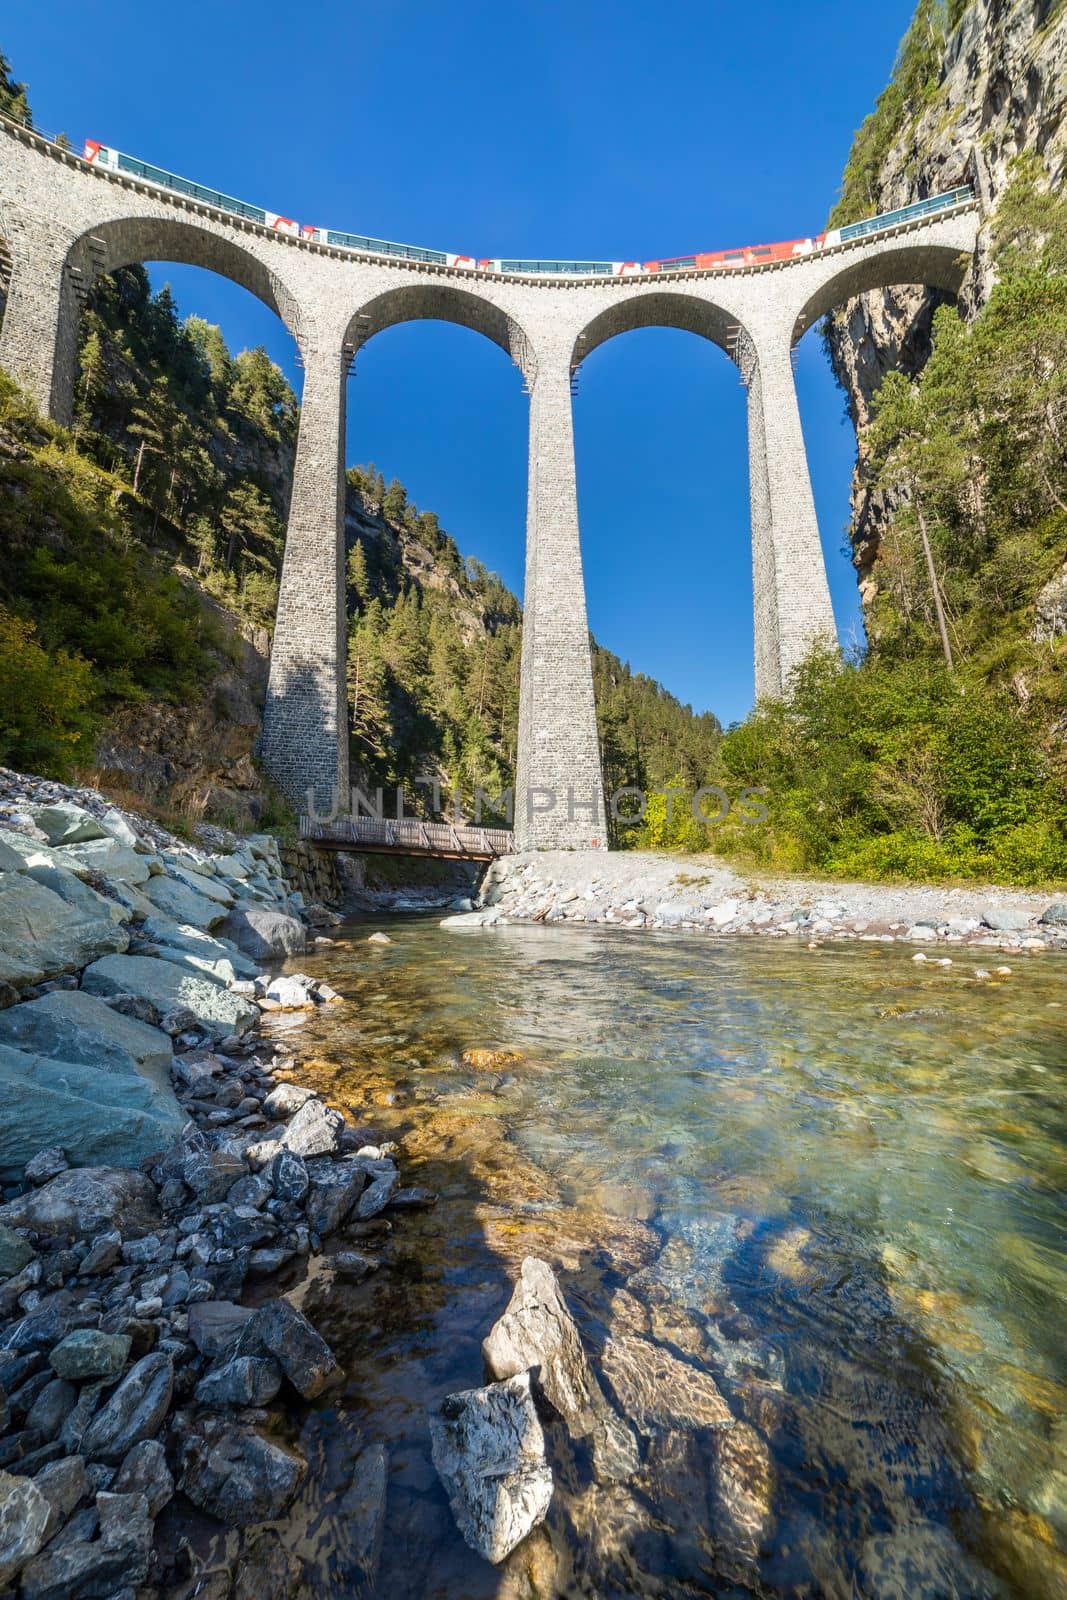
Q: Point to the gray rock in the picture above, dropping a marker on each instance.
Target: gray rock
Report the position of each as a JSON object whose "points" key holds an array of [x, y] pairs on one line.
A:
{"points": [[99, 1116], [46, 1164], [134, 1412], [24, 1518], [352, 1265], [537, 1334], [118, 827], [1056, 914], [1003, 920], [64, 823], [186, 940], [214, 1325], [378, 1195], [101, 1255], [144, 1471], [288, 1176], [264, 935], [278, 1329], [74, 1568], [88, 1353], [85, 901], [285, 1099], [71, 1025], [167, 987], [88, 1201], [15, 1252], [63, 1484], [212, 1173], [922, 1561], [237, 1475], [206, 884], [489, 1452], [11, 860], [333, 1195], [41, 936], [314, 1131], [108, 857], [51, 1408], [244, 1381]]}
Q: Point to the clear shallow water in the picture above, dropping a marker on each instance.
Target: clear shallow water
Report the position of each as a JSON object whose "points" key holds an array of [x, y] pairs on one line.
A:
{"points": [[829, 1179]]}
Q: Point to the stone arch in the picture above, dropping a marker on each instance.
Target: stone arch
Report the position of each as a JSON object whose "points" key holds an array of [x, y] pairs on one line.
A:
{"points": [[929, 265], [436, 301], [658, 309], [125, 241]]}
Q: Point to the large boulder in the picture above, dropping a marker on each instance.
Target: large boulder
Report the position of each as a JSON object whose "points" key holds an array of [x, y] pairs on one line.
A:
{"points": [[41, 934], [65, 823], [182, 904], [168, 987], [85, 900], [265, 935], [108, 857], [489, 1452], [537, 1334], [205, 884], [71, 1025], [88, 1201], [217, 957], [98, 1116]]}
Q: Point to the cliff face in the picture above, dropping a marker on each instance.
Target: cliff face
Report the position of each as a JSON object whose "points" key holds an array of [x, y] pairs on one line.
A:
{"points": [[1001, 93]]}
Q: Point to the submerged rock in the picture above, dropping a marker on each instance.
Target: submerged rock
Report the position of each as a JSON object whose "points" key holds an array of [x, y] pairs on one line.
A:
{"points": [[489, 1452], [657, 1391]]}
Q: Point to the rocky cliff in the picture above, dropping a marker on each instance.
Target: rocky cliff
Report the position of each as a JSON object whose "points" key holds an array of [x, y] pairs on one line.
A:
{"points": [[994, 90]]}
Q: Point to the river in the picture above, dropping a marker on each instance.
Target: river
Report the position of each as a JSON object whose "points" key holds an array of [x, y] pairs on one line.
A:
{"points": [[829, 1178]]}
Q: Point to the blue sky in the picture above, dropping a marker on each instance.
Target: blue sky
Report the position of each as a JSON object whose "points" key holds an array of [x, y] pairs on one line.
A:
{"points": [[531, 128]]}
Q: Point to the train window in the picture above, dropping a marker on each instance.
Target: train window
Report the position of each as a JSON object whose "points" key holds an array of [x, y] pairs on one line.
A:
{"points": [[765, 250], [734, 255]]}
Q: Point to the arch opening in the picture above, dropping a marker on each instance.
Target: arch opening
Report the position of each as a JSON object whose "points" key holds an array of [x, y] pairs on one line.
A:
{"points": [[663, 497], [656, 309], [929, 266], [433, 514]]}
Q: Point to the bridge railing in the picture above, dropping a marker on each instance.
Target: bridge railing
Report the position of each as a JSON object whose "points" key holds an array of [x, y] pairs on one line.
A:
{"points": [[409, 833], [920, 208]]}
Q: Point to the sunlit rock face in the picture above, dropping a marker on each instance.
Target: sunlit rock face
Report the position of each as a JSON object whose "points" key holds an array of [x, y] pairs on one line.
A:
{"points": [[1002, 93]]}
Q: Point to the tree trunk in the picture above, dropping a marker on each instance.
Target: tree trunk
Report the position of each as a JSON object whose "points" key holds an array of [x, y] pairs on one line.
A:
{"points": [[935, 586]]}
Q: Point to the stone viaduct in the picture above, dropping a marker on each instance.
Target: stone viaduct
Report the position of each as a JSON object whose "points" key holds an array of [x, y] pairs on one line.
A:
{"points": [[63, 222]]}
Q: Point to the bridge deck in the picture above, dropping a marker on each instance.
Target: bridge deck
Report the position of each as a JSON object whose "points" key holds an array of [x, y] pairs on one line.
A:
{"points": [[408, 837]]}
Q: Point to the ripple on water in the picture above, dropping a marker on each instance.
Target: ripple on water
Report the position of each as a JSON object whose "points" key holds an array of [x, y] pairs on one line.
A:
{"points": [[826, 1185]]}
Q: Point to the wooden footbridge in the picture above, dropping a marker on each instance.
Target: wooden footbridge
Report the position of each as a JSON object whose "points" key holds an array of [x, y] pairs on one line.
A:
{"points": [[408, 836]]}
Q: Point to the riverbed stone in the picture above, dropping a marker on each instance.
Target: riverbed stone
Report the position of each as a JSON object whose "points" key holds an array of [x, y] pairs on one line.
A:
{"points": [[15, 1252], [1055, 915], [288, 1176], [24, 1517], [109, 858], [144, 1471], [46, 1165], [237, 1475], [315, 1130], [42, 936], [135, 1410], [278, 1329], [208, 949], [1002, 919], [88, 1201], [63, 1483], [263, 934], [88, 1353], [489, 1452], [116, 1562], [244, 1381], [168, 987], [214, 1325]]}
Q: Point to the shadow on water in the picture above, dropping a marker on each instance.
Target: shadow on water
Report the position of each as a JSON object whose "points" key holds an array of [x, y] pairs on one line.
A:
{"points": [[828, 1184]]}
